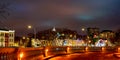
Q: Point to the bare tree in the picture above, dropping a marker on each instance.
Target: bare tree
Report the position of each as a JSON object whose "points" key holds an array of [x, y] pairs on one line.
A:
{"points": [[4, 13], [4, 9]]}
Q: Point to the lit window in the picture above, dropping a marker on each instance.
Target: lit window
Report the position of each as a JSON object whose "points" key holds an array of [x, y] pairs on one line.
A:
{"points": [[1, 40], [2, 34]]}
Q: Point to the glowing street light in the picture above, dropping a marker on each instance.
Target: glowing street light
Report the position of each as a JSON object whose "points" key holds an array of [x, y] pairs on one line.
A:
{"points": [[21, 56], [68, 49], [106, 41], [46, 52], [29, 26], [118, 49], [86, 49], [89, 41], [83, 29], [63, 34], [23, 37], [103, 49]]}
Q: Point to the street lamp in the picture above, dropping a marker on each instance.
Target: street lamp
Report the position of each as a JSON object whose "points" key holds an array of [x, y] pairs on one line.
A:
{"points": [[30, 27], [20, 56], [83, 29], [23, 37]]}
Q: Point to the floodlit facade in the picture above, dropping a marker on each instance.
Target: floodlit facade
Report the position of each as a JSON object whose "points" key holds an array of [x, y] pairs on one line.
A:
{"points": [[7, 38], [106, 34]]}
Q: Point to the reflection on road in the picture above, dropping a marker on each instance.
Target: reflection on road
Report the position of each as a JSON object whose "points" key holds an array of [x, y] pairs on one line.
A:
{"points": [[87, 56]]}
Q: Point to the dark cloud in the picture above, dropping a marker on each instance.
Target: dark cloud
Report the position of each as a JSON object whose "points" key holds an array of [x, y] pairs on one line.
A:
{"points": [[72, 14]]}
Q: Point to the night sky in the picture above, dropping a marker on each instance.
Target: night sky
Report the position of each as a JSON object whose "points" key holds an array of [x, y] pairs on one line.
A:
{"points": [[71, 14]]}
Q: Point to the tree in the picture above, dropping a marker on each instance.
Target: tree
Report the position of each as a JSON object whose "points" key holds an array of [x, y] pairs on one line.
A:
{"points": [[4, 10], [117, 37]]}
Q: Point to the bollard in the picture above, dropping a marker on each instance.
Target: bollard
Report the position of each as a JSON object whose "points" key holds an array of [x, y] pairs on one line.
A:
{"points": [[118, 49], [86, 49], [68, 50], [21, 56], [46, 52], [103, 49], [7, 56], [4, 56]]}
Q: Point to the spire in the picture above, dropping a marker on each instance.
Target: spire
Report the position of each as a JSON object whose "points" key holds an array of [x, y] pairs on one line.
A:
{"points": [[54, 29]]}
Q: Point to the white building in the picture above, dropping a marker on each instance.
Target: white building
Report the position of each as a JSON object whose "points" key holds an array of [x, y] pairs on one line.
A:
{"points": [[7, 38]]}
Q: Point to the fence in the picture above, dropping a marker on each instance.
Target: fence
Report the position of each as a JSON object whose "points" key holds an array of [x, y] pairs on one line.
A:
{"points": [[42, 52]]}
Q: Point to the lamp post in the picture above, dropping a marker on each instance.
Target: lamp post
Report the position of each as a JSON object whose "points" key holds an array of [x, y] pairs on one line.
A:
{"points": [[30, 27], [83, 29], [34, 30], [84, 35]]}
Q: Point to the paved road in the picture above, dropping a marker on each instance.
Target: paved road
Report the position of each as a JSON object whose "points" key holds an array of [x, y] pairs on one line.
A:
{"points": [[87, 56]]}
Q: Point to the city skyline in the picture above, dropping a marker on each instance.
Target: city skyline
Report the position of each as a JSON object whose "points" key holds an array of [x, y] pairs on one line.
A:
{"points": [[72, 14]]}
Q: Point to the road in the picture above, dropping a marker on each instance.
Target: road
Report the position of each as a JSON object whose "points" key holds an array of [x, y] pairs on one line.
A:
{"points": [[87, 56]]}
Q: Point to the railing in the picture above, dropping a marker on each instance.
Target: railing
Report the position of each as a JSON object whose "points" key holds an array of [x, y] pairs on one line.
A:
{"points": [[42, 52], [30, 53], [8, 53]]}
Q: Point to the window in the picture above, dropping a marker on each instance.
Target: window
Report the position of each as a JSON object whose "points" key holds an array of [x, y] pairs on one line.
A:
{"points": [[6, 35], [1, 40], [2, 34], [9, 35]]}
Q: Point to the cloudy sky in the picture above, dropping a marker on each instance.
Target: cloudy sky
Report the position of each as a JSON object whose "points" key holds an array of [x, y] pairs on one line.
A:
{"points": [[72, 14]]}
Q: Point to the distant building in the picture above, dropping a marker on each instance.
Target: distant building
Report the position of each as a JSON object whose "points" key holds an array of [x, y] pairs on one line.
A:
{"points": [[57, 33], [107, 34], [7, 38]]}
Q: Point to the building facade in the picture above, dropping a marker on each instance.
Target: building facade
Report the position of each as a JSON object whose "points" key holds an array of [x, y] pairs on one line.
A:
{"points": [[107, 34], [57, 33], [7, 38]]}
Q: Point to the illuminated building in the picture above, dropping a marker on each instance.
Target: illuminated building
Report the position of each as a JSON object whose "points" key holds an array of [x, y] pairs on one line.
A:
{"points": [[107, 34], [57, 33], [100, 43], [6, 38]]}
